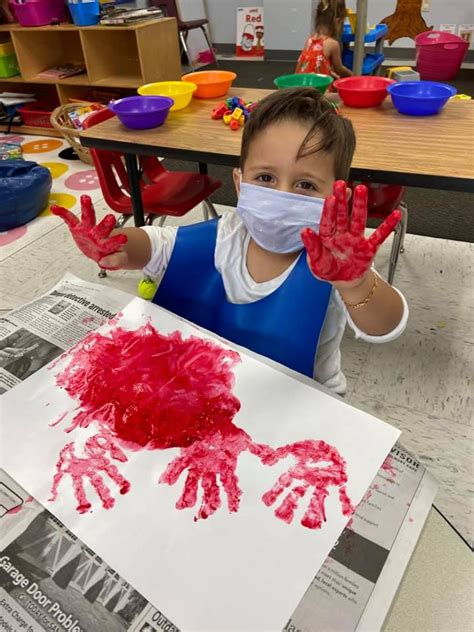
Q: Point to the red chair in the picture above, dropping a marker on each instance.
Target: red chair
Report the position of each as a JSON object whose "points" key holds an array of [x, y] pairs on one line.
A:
{"points": [[171, 10], [382, 200], [164, 193]]}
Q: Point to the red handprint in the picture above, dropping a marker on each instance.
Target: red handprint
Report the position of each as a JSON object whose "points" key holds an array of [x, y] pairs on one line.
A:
{"points": [[318, 466], [341, 252], [94, 461], [91, 238]]}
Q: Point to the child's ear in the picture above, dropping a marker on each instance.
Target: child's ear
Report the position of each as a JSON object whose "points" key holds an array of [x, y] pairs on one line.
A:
{"points": [[236, 175]]}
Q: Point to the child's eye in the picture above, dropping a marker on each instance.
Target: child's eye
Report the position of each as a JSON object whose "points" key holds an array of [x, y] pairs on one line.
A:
{"points": [[266, 178], [307, 186]]}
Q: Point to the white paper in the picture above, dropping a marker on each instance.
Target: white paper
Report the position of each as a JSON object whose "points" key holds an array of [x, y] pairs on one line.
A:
{"points": [[243, 571]]}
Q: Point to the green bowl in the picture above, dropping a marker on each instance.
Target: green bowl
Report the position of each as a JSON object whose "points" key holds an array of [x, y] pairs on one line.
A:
{"points": [[302, 80]]}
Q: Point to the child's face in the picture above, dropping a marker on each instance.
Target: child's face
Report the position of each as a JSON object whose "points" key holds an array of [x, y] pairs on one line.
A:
{"points": [[272, 162]]}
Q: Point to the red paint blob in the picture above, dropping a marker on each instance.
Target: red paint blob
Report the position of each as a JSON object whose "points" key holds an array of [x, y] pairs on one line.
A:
{"points": [[146, 390]]}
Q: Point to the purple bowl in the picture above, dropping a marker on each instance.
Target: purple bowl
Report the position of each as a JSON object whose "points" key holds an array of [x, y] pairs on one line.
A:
{"points": [[142, 112]]}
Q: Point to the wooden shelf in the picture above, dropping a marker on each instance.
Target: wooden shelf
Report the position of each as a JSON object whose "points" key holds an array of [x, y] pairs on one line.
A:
{"points": [[122, 57], [28, 129], [119, 81], [75, 80]]}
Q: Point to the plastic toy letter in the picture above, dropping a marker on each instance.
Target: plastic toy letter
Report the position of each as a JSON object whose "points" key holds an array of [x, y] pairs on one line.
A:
{"points": [[213, 483]]}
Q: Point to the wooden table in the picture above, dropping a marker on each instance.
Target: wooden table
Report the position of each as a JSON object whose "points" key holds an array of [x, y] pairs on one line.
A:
{"points": [[432, 152]]}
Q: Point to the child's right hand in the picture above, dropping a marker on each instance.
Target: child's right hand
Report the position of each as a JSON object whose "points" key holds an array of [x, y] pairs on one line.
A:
{"points": [[94, 239]]}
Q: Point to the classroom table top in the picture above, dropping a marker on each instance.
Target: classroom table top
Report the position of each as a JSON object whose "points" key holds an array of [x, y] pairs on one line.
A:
{"points": [[434, 152]]}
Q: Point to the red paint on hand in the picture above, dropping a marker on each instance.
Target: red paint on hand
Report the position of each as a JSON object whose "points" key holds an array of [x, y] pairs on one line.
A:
{"points": [[91, 238], [340, 252], [146, 390]]}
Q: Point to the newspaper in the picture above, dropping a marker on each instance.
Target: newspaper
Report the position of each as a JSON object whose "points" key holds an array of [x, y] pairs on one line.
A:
{"points": [[49, 580]]}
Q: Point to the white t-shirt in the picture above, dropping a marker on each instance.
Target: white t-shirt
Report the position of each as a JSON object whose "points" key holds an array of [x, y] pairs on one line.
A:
{"points": [[231, 262]]}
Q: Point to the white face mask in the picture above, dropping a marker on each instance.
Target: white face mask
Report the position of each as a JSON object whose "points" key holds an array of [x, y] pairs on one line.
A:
{"points": [[275, 218]]}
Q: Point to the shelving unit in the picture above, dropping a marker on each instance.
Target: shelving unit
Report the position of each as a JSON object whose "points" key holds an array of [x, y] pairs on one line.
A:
{"points": [[123, 57], [371, 62]]}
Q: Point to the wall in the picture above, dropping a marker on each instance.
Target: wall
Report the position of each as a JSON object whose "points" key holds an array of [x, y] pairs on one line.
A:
{"points": [[287, 22]]}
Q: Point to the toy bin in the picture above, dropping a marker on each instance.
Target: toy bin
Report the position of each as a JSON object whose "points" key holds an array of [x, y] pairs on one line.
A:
{"points": [[85, 13], [8, 66], [439, 55], [39, 12], [37, 114]]}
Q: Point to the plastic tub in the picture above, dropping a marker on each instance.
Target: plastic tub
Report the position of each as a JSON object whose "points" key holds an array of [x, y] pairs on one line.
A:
{"points": [[211, 83], [363, 92], [420, 98], [8, 65], [304, 80], [142, 112], [180, 91], [39, 12], [439, 55], [6, 48], [85, 13], [37, 114]]}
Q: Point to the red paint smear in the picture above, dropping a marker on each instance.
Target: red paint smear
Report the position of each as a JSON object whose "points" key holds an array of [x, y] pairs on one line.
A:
{"points": [[387, 466], [15, 510], [145, 390], [58, 420], [88, 320]]}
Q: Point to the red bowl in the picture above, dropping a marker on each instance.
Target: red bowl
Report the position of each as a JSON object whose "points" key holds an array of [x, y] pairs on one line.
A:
{"points": [[363, 92]]}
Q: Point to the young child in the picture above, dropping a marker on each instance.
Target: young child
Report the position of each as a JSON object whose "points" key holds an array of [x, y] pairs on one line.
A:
{"points": [[322, 52], [246, 275]]}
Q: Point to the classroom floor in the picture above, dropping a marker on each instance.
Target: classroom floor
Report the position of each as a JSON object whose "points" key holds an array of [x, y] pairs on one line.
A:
{"points": [[421, 382]]}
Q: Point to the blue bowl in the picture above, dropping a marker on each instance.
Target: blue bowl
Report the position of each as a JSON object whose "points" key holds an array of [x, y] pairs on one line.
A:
{"points": [[142, 112], [420, 98]]}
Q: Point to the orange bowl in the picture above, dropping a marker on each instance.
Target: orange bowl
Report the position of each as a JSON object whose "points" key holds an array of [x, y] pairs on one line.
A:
{"points": [[211, 83]]}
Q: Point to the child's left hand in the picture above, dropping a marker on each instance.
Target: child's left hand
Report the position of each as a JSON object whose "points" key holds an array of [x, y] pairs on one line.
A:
{"points": [[340, 252]]}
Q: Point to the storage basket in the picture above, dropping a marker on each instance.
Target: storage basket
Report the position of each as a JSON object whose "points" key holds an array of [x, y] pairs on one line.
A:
{"points": [[439, 55], [39, 12], [36, 114], [60, 121]]}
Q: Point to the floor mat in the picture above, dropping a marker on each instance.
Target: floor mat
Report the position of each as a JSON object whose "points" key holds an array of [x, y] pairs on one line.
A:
{"points": [[71, 179]]}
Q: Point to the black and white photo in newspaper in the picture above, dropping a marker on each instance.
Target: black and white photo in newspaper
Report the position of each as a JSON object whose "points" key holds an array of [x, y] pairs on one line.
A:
{"points": [[50, 581]]}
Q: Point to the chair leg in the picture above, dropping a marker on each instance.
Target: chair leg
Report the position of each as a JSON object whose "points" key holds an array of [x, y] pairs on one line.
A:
{"points": [[209, 43], [184, 44], [151, 218], [404, 223], [397, 244], [209, 210]]}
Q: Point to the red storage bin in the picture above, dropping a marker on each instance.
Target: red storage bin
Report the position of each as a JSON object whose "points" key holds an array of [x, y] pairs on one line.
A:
{"points": [[37, 114], [39, 12], [439, 55]]}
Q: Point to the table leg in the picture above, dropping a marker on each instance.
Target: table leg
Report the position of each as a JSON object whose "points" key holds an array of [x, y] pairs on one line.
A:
{"points": [[135, 190]]}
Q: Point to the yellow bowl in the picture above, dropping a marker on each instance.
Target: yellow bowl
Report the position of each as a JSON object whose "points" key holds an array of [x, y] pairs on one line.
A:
{"points": [[180, 91]]}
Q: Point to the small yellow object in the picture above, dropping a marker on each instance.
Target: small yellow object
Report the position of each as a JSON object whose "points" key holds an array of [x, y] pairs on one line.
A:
{"points": [[462, 97], [242, 120], [227, 118], [392, 71], [237, 113], [147, 289]]}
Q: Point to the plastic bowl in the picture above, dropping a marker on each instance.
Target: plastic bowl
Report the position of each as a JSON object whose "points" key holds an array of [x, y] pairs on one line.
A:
{"points": [[304, 80], [363, 92], [420, 98], [180, 91], [211, 83], [142, 112]]}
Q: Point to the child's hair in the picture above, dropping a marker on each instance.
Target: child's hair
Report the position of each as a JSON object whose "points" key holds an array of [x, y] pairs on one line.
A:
{"points": [[327, 12], [328, 131]]}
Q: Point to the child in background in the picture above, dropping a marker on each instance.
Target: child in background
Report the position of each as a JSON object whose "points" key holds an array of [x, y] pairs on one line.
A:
{"points": [[246, 276], [322, 51]]}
